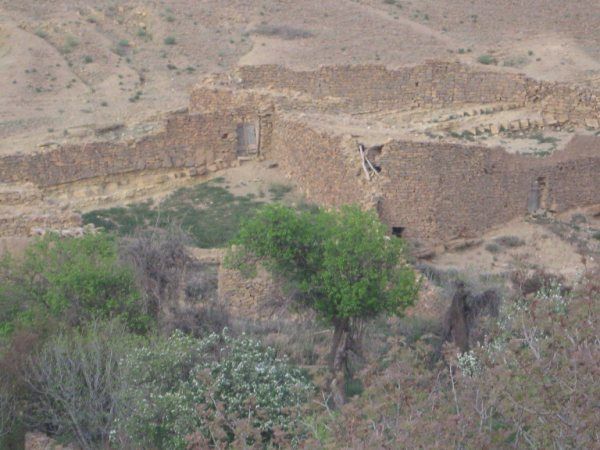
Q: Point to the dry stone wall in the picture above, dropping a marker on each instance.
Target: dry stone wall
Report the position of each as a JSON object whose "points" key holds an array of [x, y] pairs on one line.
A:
{"points": [[561, 104], [375, 87], [320, 163], [430, 85], [434, 190], [448, 191], [201, 141]]}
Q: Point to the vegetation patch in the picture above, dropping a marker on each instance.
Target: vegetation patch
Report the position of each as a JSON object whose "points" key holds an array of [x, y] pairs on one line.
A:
{"points": [[208, 212], [487, 60], [282, 31], [509, 241]]}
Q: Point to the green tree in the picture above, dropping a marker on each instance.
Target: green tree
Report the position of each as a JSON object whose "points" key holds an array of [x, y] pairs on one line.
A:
{"points": [[340, 263], [70, 279]]}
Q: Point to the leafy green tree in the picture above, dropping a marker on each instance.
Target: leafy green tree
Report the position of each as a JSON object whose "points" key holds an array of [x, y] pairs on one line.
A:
{"points": [[340, 263], [71, 279]]}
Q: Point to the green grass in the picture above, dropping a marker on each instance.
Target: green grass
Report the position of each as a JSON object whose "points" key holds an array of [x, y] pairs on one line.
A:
{"points": [[208, 212], [70, 43], [486, 59], [278, 191]]}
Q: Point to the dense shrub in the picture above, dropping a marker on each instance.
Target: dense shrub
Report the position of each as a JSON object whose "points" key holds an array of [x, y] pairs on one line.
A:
{"points": [[73, 279], [74, 380], [185, 390], [487, 59]]}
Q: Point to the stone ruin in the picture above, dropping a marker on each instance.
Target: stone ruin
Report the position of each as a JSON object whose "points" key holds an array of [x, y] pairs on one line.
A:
{"points": [[419, 144]]}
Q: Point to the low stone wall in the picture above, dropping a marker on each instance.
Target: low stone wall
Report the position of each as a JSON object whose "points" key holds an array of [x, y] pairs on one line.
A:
{"points": [[26, 224]]}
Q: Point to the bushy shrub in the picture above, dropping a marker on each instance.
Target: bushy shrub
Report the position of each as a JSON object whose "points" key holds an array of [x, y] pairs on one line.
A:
{"points": [[73, 279], [159, 259], [74, 380], [184, 390], [487, 59]]}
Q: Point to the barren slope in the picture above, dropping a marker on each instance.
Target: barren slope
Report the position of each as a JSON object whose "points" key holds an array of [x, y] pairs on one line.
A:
{"points": [[70, 65]]}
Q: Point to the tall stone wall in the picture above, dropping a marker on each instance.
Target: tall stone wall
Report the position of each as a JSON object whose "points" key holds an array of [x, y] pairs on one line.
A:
{"points": [[199, 141], [320, 163], [447, 191], [375, 87], [430, 85]]}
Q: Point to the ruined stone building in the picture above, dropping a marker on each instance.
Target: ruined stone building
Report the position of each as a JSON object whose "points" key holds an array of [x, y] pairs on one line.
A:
{"points": [[437, 139]]}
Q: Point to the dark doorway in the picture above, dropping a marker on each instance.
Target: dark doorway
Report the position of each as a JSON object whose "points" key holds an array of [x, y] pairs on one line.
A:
{"points": [[397, 231]]}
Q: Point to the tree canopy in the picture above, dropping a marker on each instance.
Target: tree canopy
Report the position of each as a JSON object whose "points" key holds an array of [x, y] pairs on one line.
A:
{"points": [[342, 263]]}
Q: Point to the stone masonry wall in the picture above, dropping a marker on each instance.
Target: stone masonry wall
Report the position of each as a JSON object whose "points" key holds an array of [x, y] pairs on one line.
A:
{"points": [[320, 163], [430, 85], [436, 84], [449, 191], [561, 104], [202, 141]]}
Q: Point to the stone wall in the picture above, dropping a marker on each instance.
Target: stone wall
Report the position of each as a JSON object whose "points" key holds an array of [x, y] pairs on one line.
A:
{"points": [[430, 85], [561, 104], [447, 191], [435, 84], [201, 141], [434, 190], [322, 164]]}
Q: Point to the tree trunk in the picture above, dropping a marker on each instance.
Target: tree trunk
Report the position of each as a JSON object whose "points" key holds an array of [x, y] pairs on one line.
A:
{"points": [[338, 359], [339, 345]]}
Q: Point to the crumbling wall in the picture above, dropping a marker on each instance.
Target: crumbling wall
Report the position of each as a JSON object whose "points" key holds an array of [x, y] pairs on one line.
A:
{"points": [[561, 104], [447, 191], [201, 141], [23, 224], [434, 190]]}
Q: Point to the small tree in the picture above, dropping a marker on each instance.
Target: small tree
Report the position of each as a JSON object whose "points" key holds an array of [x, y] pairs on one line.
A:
{"points": [[72, 280], [340, 263]]}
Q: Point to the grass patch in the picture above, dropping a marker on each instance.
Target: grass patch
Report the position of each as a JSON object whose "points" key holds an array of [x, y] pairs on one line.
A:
{"points": [[208, 212], [515, 61], [70, 43], [278, 191], [170, 40], [487, 60], [283, 32]]}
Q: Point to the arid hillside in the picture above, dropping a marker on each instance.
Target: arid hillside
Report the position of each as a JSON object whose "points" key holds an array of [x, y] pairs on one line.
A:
{"points": [[70, 66]]}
